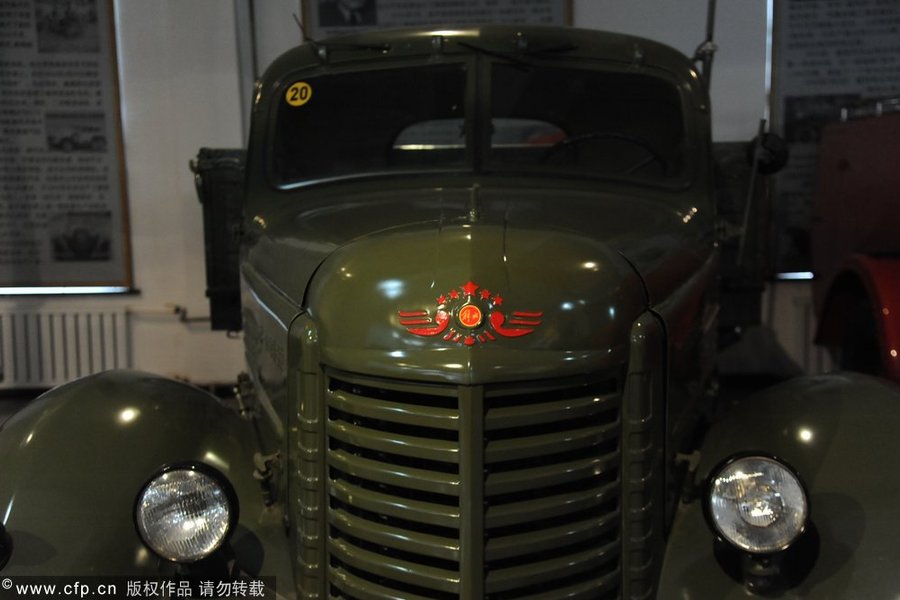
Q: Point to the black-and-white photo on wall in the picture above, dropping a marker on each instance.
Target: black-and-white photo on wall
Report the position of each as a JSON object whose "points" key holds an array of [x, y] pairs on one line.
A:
{"points": [[63, 207], [828, 55], [326, 18]]}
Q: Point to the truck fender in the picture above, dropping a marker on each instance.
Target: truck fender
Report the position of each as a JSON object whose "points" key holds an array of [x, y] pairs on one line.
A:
{"points": [[839, 433], [872, 285], [74, 460]]}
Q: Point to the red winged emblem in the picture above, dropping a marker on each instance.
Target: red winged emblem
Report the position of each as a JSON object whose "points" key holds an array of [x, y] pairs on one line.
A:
{"points": [[469, 315]]}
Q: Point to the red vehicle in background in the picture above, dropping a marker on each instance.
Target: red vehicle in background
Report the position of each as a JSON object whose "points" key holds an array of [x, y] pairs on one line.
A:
{"points": [[856, 239]]}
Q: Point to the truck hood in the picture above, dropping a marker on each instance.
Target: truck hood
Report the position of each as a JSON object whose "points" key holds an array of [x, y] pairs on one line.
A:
{"points": [[447, 291], [424, 297]]}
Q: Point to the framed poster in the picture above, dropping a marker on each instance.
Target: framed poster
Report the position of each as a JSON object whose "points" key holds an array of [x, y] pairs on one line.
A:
{"points": [[828, 55], [325, 18], [63, 206]]}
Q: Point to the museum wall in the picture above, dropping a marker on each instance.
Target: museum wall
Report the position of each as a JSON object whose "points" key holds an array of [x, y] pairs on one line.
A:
{"points": [[185, 71], [179, 91], [739, 67]]}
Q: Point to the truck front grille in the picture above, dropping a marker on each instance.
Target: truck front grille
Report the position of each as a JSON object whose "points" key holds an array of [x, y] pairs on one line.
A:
{"points": [[499, 492]]}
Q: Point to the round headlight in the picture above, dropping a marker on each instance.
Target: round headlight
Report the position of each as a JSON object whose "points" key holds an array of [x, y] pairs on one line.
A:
{"points": [[757, 504], [184, 514]]}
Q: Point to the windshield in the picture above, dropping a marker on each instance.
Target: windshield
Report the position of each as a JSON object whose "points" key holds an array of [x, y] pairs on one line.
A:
{"points": [[349, 123], [542, 119], [594, 122]]}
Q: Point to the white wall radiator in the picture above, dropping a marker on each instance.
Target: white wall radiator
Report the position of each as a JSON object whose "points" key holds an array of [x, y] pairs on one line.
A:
{"points": [[40, 349]]}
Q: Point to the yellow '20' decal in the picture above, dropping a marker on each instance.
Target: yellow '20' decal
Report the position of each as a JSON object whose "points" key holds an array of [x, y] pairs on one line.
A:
{"points": [[298, 94]]}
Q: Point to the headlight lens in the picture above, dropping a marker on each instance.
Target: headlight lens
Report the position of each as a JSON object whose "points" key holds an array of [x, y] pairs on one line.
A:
{"points": [[184, 514], [758, 504]]}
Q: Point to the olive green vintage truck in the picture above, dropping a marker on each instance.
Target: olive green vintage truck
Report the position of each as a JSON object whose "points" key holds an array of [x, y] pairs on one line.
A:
{"points": [[478, 290]]}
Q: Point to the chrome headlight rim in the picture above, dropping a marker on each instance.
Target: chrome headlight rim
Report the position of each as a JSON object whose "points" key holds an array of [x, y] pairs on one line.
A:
{"points": [[708, 500], [204, 469]]}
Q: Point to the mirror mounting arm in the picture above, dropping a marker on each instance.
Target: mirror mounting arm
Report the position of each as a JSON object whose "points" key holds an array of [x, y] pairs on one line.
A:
{"points": [[707, 49]]}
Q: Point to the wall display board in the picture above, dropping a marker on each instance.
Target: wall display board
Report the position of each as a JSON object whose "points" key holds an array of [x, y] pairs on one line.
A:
{"points": [[828, 54], [63, 210], [324, 18]]}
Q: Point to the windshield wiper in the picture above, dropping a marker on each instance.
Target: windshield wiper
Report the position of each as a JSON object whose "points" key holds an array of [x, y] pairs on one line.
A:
{"points": [[351, 46], [517, 58], [552, 49], [496, 54], [322, 48]]}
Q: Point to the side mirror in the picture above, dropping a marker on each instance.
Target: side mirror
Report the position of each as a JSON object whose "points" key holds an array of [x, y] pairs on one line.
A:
{"points": [[769, 152]]}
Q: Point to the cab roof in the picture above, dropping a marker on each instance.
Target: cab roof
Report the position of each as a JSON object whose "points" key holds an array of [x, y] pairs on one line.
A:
{"points": [[506, 41]]}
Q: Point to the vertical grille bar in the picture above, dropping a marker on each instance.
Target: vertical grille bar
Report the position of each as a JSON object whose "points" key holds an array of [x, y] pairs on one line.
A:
{"points": [[306, 490], [643, 493], [471, 409]]}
